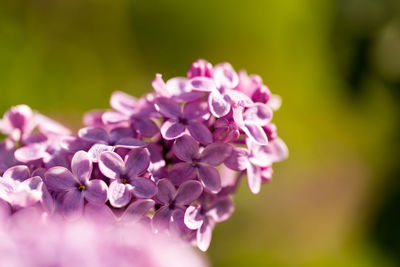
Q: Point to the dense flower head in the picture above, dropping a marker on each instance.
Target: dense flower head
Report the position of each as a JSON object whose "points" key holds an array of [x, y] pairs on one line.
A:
{"points": [[170, 160]]}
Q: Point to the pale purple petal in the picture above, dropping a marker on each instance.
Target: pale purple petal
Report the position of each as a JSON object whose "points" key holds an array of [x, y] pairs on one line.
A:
{"points": [[96, 191], [48, 126], [255, 133], [254, 178], [131, 143], [118, 194], [72, 204], [93, 118], [215, 154], [172, 129], [186, 148], [204, 235], [120, 133], [146, 127], [137, 210], [159, 86], [196, 110], [239, 98], [219, 104], [111, 164], [19, 173], [177, 85], [60, 179], [123, 102], [73, 144], [161, 219], [193, 217], [210, 178], [200, 67], [114, 117], [221, 209], [31, 152], [281, 151], [225, 76], [81, 166], [137, 162], [143, 187], [168, 107], [181, 172], [96, 150], [166, 191], [202, 84], [238, 159], [259, 114], [188, 192], [94, 134], [200, 132], [99, 213], [275, 102]]}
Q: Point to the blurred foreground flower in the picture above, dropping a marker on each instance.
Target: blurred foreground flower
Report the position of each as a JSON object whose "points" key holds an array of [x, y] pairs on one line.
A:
{"points": [[160, 159]]}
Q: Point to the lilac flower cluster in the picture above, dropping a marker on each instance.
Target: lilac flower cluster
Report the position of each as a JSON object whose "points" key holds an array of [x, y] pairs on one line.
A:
{"points": [[157, 159]]}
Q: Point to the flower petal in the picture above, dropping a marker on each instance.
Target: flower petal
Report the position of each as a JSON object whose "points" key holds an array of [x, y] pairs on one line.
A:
{"points": [[202, 84], [72, 204], [118, 194], [204, 235], [260, 114], [215, 154], [254, 178], [168, 107], [225, 76], [159, 86], [193, 217], [177, 86], [146, 127], [96, 191], [81, 166], [188, 192], [196, 110], [172, 129], [143, 187], [19, 173], [60, 179], [123, 102], [137, 162], [111, 165], [255, 133], [221, 209], [181, 172], [186, 148], [114, 117], [166, 191], [130, 143], [200, 132], [137, 210], [238, 159], [161, 219], [94, 134], [210, 178], [219, 104], [96, 150], [31, 152]]}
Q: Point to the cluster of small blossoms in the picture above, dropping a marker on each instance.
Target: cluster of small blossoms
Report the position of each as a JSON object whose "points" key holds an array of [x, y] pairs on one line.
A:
{"points": [[171, 159]]}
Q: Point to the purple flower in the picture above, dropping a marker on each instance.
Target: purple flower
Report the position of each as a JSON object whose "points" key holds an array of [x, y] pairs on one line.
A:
{"points": [[76, 186], [251, 121], [126, 176], [104, 141], [18, 122], [204, 217], [220, 87], [135, 111], [199, 164], [177, 88], [19, 189], [200, 68], [261, 157], [173, 201], [189, 118]]}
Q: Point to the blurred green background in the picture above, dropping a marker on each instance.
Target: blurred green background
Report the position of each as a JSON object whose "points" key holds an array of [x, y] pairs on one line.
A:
{"points": [[336, 64]]}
